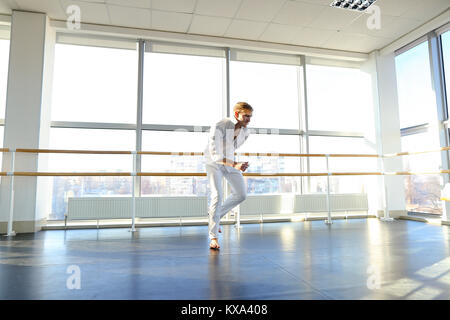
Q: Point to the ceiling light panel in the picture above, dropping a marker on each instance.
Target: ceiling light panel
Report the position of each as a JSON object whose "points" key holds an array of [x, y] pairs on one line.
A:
{"points": [[358, 5]]}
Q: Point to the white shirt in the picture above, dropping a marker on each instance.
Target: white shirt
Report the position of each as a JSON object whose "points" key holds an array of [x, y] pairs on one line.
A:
{"points": [[221, 141]]}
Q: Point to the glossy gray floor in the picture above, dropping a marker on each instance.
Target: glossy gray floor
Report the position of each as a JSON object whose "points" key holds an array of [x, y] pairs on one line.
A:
{"points": [[351, 259]]}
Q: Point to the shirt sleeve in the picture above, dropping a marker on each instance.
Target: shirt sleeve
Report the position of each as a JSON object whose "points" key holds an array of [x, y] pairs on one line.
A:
{"points": [[216, 147]]}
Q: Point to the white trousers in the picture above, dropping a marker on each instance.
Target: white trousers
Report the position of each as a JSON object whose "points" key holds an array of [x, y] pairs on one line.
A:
{"points": [[217, 209]]}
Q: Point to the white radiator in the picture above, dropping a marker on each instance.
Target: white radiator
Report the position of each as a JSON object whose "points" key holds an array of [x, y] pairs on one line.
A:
{"points": [[269, 204], [338, 202], [146, 207], [93, 208]]}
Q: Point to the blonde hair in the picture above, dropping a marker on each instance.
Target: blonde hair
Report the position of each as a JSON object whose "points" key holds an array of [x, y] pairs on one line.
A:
{"points": [[242, 106]]}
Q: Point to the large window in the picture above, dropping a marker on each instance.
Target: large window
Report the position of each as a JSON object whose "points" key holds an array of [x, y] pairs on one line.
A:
{"points": [[339, 99], [179, 89], [271, 85], [417, 104], [92, 85], [418, 114]]}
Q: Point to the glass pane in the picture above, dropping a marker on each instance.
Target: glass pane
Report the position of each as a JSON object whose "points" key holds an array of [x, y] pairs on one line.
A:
{"points": [[4, 61], [1, 146], [182, 90], [446, 53], [423, 192], [94, 84], [175, 142], [417, 104], [89, 139], [268, 143], [271, 90], [341, 145], [339, 99], [271, 143]]}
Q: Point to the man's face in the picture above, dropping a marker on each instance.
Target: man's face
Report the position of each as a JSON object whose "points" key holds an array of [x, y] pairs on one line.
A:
{"points": [[244, 117]]}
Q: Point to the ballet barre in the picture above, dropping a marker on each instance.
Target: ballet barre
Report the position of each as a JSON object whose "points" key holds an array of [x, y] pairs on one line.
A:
{"points": [[135, 174]]}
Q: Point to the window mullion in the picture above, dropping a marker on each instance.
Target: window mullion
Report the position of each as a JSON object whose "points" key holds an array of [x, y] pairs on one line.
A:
{"points": [[140, 95]]}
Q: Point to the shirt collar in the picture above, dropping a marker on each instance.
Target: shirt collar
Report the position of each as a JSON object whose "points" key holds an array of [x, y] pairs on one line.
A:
{"points": [[233, 119]]}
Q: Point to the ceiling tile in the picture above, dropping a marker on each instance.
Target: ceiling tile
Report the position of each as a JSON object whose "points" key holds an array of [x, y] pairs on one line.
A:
{"points": [[356, 42], [297, 13], [5, 9], [90, 12], [363, 25], [170, 21], [393, 7], [12, 4], [399, 26], [334, 19], [319, 2], [130, 17], [311, 37], [52, 8], [244, 29], [94, 1], [131, 3], [214, 26], [219, 8], [6, 6], [426, 10], [259, 10], [186, 6], [279, 33]]}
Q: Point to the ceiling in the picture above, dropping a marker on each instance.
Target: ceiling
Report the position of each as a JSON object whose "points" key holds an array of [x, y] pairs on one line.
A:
{"points": [[311, 23]]}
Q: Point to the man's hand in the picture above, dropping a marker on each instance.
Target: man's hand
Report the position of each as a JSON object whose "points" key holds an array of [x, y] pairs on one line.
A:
{"points": [[241, 166], [237, 165]]}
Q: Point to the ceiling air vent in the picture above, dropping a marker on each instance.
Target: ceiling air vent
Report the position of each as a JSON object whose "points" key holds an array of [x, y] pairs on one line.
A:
{"points": [[359, 5]]}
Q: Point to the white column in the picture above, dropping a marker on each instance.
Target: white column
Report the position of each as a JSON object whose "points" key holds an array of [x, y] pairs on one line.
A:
{"points": [[388, 132], [371, 135], [27, 120]]}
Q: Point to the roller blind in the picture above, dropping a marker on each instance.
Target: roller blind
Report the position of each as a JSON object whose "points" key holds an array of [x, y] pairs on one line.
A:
{"points": [[96, 41], [5, 31], [265, 57], [175, 48], [332, 63]]}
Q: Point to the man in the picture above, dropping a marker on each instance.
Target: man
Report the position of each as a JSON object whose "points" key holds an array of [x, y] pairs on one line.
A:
{"points": [[224, 138]]}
